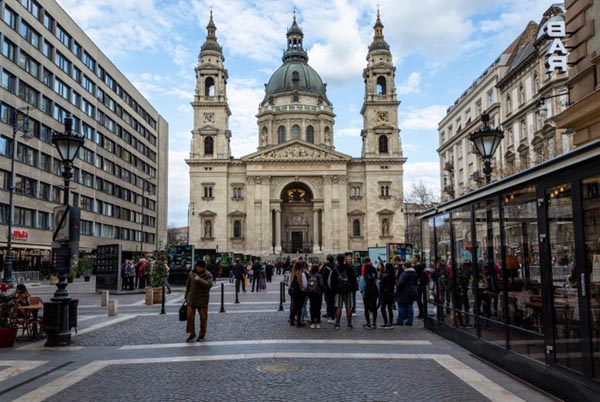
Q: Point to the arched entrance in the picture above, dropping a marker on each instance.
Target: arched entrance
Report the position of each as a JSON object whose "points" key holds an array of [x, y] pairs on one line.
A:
{"points": [[296, 218]]}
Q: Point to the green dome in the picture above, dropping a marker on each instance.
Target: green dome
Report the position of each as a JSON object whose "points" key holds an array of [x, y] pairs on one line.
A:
{"points": [[295, 76]]}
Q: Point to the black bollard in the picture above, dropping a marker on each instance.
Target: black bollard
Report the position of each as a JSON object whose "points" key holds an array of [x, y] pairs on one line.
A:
{"points": [[162, 307], [281, 291], [222, 298], [237, 289]]}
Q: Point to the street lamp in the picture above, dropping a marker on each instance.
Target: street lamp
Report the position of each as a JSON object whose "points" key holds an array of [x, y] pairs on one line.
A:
{"points": [[20, 123], [486, 140], [68, 145], [541, 106]]}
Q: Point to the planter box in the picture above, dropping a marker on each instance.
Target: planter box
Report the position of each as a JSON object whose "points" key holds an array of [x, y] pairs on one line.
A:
{"points": [[8, 336], [157, 295]]}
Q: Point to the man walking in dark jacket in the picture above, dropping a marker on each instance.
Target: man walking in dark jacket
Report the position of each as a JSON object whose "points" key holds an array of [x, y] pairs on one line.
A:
{"points": [[343, 280], [420, 271], [197, 292], [329, 293], [240, 273]]}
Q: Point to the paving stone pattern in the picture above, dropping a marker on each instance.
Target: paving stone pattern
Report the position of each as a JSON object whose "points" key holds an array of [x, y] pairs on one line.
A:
{"points": [[240, 380]]}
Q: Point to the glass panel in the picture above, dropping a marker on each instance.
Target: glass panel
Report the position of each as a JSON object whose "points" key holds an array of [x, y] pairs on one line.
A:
{"points": [[442, 275], [567, 342], [591, 226], [523, 273], [489, 286], [465, 299]]}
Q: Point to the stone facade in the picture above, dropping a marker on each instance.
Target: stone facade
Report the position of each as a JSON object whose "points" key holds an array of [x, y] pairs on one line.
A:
{"points": [[296, 193]]}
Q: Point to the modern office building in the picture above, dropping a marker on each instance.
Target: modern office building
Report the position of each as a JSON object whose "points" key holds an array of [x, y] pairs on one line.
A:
{"points": [[296, 193], [521, 97], [50, 69]]}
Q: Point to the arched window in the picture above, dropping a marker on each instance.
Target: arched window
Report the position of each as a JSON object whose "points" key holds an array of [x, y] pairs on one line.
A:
{"points": [[356, 228], [310, 134], [209, 87], [208, 229], [237, 229], [383, 144], [381, 87], [281, 134], [208, 146], [295, 132]]}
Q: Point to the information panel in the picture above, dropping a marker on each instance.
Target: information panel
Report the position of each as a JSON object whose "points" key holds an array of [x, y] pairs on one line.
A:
{"points": [[108, 267]]}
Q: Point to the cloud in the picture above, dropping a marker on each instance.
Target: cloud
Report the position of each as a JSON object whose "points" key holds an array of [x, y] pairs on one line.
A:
{"points": [[178, 200], [411, 85], [426, 118], [426, 172], [348, 132]]}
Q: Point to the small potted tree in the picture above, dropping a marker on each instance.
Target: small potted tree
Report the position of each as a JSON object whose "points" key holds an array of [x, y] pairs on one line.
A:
{"points": [[158, 271], [8, 329], [85, 265]]}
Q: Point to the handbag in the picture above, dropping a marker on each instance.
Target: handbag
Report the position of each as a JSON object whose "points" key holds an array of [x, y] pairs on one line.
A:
{"points": [[183, 311]]}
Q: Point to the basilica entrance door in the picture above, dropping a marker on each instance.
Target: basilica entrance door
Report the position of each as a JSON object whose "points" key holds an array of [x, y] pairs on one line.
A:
{"points": [[297, 241]]}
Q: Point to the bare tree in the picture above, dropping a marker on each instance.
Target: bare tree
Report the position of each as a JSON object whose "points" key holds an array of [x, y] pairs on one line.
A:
{"points": [[419, 199], [175, 237], [422, 195]]}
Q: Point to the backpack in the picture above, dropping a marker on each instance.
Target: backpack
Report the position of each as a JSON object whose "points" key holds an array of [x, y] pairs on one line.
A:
{"points": [[313, 285], [343, 282], [370, 283], [294, 287]]}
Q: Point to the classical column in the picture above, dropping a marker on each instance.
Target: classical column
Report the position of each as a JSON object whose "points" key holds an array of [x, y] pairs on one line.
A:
{"points": [[316, 230], [277, 230]]}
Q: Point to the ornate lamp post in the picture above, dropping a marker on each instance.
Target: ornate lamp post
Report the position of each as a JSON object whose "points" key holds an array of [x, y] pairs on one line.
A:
{"points": [[20, 123], [67, 144], [486, 141]]}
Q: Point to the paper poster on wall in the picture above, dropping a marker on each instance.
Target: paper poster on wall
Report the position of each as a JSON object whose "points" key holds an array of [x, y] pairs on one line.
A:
{"points": [[596, 268]]}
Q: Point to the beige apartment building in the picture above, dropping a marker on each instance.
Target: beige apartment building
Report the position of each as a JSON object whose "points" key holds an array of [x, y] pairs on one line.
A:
{"points": [[522, 99], [295, 193], [50, 66]]}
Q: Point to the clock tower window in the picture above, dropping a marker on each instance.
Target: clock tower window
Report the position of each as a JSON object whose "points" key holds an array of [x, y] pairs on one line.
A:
{"points": [[381, 86], [383, 144], [208, 146], [209, 87]]}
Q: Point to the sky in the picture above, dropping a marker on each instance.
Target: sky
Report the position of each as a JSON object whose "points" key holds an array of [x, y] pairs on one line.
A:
{"points": [[439, 47]]}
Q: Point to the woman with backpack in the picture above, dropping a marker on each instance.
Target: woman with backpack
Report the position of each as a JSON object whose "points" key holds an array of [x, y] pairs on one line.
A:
{"points": [[297, 290], [387, 285], [368, 287], [315, 290]]}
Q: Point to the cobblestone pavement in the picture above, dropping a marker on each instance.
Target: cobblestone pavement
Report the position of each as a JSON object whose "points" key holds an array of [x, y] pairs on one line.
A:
{"points": [[251, 354]]}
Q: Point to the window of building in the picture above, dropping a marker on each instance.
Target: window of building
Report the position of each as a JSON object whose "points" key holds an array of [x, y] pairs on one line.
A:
{"points": [[209, 87], [62, 62], [44, 193], [208, 145], [10, 17], [384, 190], [48, 22], [9, 82], [238, 193], [381, 85], [30, 34], [87, 84], [27, 155], [383, 144], [89, 61], [356, 228], [536, 83], [478, 107], [9, 50], [490, 97], [207, 191], [310, 134], [33, 7], [24, 217], [295, 131], [27, 63], [237, 229], [281, 134], [523, 129], [48, 50], [509, 105], [62, 89], [355, 191]]}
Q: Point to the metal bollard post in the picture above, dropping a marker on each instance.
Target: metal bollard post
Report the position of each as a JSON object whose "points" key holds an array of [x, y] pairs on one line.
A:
{"points": [[162, 307], [237, 290], [222, 298], [281, 291]]}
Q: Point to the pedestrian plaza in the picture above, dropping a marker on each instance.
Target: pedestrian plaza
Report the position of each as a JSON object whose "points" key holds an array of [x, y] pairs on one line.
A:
{"points": [[250, 354]]}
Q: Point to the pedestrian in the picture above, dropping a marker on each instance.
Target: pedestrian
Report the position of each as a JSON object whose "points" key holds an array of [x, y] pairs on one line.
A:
{"points": [[420, 271], [165, 271], [406, 294], [256, 268], [350, 263], [343, 280], [315, 290], [329, 293], [387, 285], [141, 270], [240, 275], [124, 275], [197, 292], [297, 290], [368, 287], [269, 271]]}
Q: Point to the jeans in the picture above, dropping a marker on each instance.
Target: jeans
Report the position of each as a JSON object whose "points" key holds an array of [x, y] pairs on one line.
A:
{"points": [[387, 310], [167, 284], [405, 310]]}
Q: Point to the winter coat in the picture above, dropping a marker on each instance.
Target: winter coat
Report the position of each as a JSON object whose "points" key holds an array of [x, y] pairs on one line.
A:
{"points": [[325, 272], [362, 283], [387, 287], [197, 291], [406, 289]]}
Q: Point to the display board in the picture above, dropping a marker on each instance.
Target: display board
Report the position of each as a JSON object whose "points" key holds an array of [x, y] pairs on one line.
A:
{"points": [[108, 267]]}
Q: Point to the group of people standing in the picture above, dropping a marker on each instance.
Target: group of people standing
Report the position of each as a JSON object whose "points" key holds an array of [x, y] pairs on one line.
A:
{"points": [[136, 275], [254, 274], [397, 282]]}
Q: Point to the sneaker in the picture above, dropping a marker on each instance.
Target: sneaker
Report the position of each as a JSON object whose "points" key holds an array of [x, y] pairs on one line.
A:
{"points": [[330, 321], [317, 326], [387, 326], [374, 326], [336, 326], [350, 326], [300, 325], [312, 326], [191, 338], [200, 339], [367, 326]]}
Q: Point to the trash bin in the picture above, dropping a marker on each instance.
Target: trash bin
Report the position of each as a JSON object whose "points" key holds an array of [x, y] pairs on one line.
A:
{"points": [[51, 317], [73, 305]]}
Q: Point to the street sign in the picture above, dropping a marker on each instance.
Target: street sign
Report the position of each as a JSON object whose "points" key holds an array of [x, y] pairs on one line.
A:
{"points": [[61, 223], [61, 259]]}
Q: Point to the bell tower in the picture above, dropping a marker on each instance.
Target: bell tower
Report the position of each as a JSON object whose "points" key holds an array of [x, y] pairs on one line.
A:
{"points": [[211, 134], [380, 134]]}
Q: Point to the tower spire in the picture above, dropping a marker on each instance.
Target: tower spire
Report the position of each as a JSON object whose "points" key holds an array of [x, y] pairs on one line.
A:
{"points": [[378, 39], [211, 36], [295, 50]]}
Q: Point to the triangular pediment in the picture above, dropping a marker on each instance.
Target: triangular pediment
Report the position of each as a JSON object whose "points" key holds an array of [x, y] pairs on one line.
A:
{"points": [[296, 151]]}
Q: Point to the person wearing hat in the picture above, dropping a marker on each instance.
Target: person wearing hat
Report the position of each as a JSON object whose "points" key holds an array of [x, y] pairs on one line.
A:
{"points": [[197, 290]]}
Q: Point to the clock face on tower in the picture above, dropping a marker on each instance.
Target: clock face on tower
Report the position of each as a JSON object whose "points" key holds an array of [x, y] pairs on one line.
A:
{"points": [[209, 117], [382, 116]]}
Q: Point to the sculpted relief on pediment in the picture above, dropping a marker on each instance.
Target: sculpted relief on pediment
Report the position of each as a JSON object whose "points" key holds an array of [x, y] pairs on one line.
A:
{"points": [[295, 153]]}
